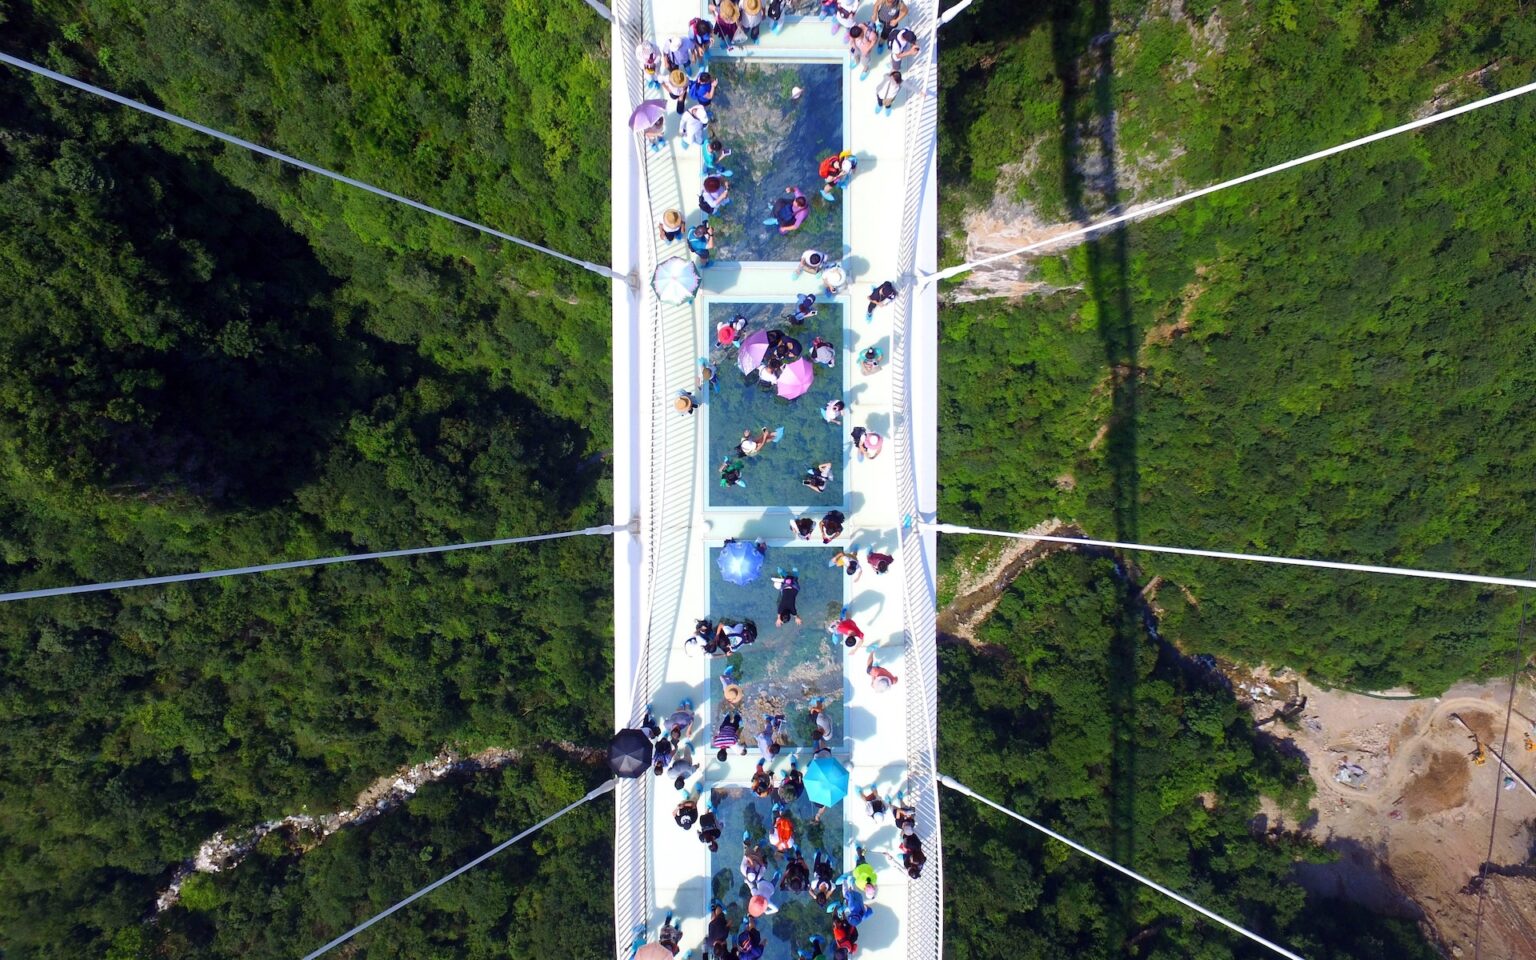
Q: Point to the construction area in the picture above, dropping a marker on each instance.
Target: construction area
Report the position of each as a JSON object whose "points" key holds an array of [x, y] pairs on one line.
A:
{"points": [[1406, 789]]}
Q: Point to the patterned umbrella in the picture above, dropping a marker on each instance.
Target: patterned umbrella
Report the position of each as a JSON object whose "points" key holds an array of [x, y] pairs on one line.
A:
{"points": [[630, 753], [740, 562], [676, 280], [826, 782], [753, 348], [796, 379]]}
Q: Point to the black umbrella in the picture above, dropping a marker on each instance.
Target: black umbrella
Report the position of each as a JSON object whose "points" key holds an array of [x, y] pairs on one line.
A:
{"points": [[630, 753]]}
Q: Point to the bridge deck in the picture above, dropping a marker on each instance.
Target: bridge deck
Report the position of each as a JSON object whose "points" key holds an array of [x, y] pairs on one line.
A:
{"points": [[666, 475]]}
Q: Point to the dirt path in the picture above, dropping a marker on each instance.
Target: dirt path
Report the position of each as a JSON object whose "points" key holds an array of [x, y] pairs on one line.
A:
{"points": [[224, 850]]}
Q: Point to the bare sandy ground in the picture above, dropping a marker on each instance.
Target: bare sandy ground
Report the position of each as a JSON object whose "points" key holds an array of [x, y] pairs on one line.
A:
{"points": [[1414, 833]]}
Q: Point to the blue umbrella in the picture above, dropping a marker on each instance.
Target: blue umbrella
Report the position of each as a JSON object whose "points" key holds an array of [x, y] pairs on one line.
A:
{"points": [[740, 562], [826, 782]]}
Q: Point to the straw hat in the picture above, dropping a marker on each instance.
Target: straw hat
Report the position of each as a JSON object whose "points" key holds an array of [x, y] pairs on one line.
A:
{"points": [[682, 404], [728, 12], [672, 219], [733, 693], [677, 78], [752, 7]]}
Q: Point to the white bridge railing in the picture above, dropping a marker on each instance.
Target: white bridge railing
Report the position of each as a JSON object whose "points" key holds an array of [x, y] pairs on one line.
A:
{"points": [[674, 483], [665, 532], [919, 602]]}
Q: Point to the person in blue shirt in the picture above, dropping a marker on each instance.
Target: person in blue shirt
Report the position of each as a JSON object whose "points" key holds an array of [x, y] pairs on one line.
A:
{"points": [[701, 240], [749, 942], [714, 153], [702, 88]]}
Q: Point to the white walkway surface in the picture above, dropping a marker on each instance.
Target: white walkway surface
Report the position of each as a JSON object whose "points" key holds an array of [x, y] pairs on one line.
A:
{"points": [[664, 471]]}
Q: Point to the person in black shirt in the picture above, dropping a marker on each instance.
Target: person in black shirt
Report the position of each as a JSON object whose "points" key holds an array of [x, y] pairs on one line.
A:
{"points": [[719, 929], [879, 297], [826, 879], [686, 813], [793, 784], [797, 875], [789, 594], [709, 829]]}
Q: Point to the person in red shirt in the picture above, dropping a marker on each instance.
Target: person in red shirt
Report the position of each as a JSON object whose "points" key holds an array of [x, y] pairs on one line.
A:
{"points": [[845, 628], [845, 935], [835, 171], [879, 677], [783, 828]]}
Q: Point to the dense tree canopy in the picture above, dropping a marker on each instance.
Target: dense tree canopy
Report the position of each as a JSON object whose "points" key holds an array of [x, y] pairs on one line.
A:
{"points": [[1070, 712], [547, 896], [1325, 363], [213, 361]]}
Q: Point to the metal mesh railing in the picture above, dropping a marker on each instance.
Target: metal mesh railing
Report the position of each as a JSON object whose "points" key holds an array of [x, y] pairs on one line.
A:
{"points": [[671, 485], [631, 872], [926, 895], [674, 480]]}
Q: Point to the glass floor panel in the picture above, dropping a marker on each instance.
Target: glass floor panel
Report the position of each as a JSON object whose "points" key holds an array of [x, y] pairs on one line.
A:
{"points": [[788, 665], [743, 402], [777, 142], [799, 917]]}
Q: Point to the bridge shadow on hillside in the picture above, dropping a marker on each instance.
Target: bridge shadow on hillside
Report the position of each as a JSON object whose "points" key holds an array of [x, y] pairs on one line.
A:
{"points": [[1083, 45]]}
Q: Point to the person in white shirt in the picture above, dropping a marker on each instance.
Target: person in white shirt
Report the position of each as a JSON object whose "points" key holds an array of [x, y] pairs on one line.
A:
{"points": [[885, 93]]}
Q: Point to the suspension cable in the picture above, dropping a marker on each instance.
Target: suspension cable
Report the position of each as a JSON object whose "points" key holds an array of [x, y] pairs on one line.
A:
{"points": [[1498, 786], [596, 792], [962, 788], [1162, 205], [302, 165], [296, 564], [1251, 557]]}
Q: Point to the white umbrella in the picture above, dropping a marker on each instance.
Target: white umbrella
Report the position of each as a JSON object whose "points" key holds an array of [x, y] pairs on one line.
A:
{"points": [[676, 280]]}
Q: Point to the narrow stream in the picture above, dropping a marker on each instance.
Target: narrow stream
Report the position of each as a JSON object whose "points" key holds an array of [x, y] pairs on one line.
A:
{"points": [[225, 850]]}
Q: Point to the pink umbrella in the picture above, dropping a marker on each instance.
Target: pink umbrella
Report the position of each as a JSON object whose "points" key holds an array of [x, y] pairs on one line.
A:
{"points": [[647, 113], [796, 379], [753, 349]]}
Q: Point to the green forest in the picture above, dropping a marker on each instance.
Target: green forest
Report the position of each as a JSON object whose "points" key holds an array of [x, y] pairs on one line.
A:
{"points": [[1067, 709], [1332, 362], [214, 360]]}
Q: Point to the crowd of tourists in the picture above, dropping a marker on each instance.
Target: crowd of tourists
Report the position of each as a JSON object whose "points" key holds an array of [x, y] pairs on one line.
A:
{"points": [[782, 856]]}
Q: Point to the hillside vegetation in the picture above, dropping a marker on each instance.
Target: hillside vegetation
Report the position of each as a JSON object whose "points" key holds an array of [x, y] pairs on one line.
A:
{"points": [[1069, 711], [212, 361], [1333, 362]]}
